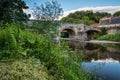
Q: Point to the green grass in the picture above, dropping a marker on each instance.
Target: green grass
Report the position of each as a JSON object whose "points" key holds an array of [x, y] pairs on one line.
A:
{"points": [[110, 37]]}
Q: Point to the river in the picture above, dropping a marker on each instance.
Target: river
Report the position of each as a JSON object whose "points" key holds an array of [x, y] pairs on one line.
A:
{"points": [[102, 60]]}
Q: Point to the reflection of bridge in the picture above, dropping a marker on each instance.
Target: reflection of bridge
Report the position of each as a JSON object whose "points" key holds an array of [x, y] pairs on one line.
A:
{"points": [[96, 51], [78, 31]]}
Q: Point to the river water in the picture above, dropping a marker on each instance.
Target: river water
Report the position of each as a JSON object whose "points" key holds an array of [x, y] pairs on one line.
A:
{"points": [[101, 60]]}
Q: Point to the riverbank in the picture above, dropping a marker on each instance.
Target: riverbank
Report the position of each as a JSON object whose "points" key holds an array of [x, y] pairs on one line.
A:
{"points": [[91, 41], [102, 41], [110, 37]]}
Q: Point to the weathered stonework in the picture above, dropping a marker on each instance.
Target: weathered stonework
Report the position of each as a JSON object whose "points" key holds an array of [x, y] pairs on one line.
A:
{"points": [[77, 31], [113, 30]]}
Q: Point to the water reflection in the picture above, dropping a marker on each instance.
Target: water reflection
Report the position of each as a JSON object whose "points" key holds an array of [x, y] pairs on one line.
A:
{"points": [[106, 71], [103, 60]]}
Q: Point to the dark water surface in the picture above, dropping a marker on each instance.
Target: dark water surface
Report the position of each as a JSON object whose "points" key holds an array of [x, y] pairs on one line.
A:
{"points": [[102, 60]]}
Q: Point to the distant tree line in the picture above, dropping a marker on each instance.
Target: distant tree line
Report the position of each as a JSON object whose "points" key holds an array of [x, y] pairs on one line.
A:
{"points": [[116, 14], [87, 17]]}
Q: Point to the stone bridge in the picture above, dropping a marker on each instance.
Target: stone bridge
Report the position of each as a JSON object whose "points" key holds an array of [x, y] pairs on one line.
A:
{"points": [[77, 31]]}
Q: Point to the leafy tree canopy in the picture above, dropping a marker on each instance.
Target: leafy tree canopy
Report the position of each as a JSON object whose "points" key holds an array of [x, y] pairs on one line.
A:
{"points": [[116, 14], [45, 15], [12, 10], [86, 17], [48, 11]]}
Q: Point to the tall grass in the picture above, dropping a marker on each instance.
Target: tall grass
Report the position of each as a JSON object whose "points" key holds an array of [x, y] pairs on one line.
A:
{"points": [[16, 43], [111, 37]]}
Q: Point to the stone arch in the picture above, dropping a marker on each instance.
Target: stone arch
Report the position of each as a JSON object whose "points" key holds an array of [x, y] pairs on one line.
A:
{"points": [[68, 33], [91, 34]]}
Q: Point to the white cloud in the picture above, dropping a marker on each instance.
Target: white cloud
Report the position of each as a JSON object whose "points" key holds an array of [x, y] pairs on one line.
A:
{"points": [[109, 9], [28, 11]]}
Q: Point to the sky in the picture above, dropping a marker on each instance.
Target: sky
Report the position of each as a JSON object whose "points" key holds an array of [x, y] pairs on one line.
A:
{"points": [[70, 6]]}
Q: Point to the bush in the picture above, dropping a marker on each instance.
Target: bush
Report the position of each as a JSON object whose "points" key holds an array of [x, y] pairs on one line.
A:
{"points": [[103, 31], [28, 69], [7, 39]]}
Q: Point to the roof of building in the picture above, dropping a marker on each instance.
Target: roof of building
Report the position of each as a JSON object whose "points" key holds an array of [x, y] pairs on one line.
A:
{"points": [[115, 20], [104, 22], [111, 20]]}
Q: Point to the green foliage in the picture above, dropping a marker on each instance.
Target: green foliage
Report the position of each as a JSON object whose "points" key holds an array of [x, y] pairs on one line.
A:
{"points": [[85, 17], [27, 69], [111, 37], [45, 16], [86, 20], [48, 11], [103, 31], [7, 40], [45, 28], [57, 60], [11, 11], [116, 14]]}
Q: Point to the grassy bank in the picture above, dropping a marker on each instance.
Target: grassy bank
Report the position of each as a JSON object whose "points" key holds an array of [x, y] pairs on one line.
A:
{"points": [[23, 53], [110, 37]]}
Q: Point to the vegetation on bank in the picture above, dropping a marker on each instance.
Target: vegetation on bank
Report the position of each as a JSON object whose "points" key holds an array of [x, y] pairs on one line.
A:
{"points": [[28, 52], [110, 37], [26, 55], [23, 69], [87, 17]]}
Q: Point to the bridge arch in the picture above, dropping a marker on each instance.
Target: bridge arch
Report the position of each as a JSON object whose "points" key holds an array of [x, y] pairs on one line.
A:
{"points": [[67, 33], [91, 34]]}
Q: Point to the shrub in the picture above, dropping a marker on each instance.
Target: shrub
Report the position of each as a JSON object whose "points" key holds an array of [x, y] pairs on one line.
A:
{"points": [[27, 69], [103, 31], [7, 40]]}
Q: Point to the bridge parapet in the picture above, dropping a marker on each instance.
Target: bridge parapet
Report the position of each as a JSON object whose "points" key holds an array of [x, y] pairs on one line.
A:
{"points": [[78, 27], [92, 28]]}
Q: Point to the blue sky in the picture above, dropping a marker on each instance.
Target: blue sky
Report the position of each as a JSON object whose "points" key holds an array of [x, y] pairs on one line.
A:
{"points": [[68, 5], [71, 6]]}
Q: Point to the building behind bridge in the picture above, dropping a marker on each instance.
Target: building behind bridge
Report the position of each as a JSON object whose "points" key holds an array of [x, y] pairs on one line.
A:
{"points": [[112, 24]]}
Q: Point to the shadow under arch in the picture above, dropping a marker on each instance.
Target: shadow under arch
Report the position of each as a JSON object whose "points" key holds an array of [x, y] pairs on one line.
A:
{"points": [[68, 33], [92, 34]]}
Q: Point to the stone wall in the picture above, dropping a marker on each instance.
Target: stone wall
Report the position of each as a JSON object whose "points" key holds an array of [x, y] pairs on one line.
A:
{"points": [[113, 30]]}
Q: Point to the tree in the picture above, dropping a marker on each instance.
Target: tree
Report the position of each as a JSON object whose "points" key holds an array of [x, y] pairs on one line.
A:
{"points": [[49, 11], [86, 17], [116, 13], [12, 10], [45, 16]]}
